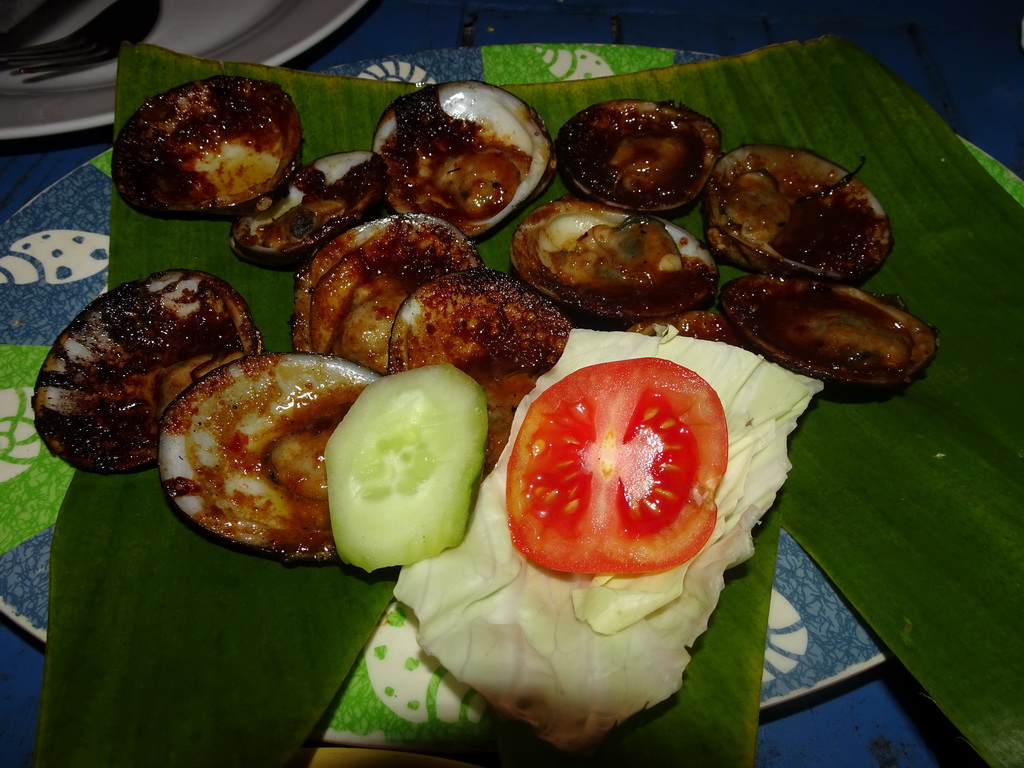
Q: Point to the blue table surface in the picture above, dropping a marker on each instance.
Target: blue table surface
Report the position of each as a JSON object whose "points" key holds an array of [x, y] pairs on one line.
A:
{"points": [[965, 59]]}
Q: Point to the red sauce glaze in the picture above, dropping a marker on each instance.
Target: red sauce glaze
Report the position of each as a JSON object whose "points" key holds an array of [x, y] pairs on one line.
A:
{"points": [[158, 154], [448, 167], [637, 155], [833, 231], [829, 331], [146, 340]]}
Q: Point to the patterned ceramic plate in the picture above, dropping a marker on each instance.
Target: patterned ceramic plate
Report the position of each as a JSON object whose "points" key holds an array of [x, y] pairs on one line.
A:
{"points": [[53, 257]]}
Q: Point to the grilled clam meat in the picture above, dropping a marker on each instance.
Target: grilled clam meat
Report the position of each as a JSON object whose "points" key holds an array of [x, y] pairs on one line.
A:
{"points": [[610, 263], [491, 326], [830, 331], [241, 451], [465, 151], [785, 211], [636, 154], [321, 200], [347, 295], [212, 145], [694, 324], [112, 371]]}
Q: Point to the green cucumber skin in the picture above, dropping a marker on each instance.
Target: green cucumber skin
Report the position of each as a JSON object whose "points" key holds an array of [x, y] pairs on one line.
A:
{"points": [[403, 466]]}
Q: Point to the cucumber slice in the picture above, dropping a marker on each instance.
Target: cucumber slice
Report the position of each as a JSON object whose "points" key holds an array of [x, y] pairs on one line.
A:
{"points": [[403, 466]]}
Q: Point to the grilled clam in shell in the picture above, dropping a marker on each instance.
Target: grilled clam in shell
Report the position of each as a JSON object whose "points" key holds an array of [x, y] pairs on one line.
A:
{"points": [[322, 199], [612, 264], [637, 155], [110, 374], [241, 450], [466, 151], [786, 211], [347, 295], [830, 331], [213, 145]]}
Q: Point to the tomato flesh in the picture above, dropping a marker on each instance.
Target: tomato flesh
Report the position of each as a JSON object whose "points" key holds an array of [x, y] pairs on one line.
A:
{"points": [[667, 459], [615, 467]]}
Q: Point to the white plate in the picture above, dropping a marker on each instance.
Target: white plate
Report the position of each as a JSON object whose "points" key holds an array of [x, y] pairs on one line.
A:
{"points": [[262, 31]]}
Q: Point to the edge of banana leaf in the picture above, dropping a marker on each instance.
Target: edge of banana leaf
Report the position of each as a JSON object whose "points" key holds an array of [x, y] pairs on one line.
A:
{"points": [[914, 525]]}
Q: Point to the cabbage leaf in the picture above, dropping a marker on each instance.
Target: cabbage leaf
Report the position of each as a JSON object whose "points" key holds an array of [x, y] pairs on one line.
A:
{"points": [[574, 654]]}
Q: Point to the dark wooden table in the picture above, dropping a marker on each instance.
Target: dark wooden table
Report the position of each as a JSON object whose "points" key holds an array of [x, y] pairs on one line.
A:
{"points": [[966, 60]]}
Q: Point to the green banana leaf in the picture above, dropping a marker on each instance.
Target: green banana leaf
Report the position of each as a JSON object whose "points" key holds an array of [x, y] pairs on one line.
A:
{"points": [[166, 650], [182, 648]]}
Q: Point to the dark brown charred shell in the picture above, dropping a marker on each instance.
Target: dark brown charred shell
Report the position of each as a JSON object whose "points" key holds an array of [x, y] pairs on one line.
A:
{"points": [[347, 294], [465, 151], [786, 211], [830, 331], [241, 451], [636, 154], [211, 145], [112, 371], [695, 324], [488, 324], [322, 199], [612, 264]]}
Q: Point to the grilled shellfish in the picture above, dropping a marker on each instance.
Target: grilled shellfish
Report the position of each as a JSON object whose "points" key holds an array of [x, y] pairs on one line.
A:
{"points": [[785, 211], [323, 198], [830, 331], [612, 264], [638, 155], [347, 295], [466, 151], [125, 356], [241, 450], [212, 145]]}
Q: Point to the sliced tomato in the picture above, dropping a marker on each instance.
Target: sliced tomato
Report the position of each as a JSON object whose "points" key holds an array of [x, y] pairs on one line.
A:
{"points": [[615, 469]]}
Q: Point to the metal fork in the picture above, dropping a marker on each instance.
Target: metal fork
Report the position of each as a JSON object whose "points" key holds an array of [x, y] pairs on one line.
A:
{"points": [[98, 40]]}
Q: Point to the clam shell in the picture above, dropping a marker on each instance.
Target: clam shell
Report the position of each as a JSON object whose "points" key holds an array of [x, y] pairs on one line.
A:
{"points": [[212, 145], [466, 151], [612, 264], [241, 451], [638, 155], [786, 211], [833, 332], [112, 371]]}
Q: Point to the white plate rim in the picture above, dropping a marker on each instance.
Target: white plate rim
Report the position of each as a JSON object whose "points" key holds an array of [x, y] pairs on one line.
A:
{"points": [[298, 26]]}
